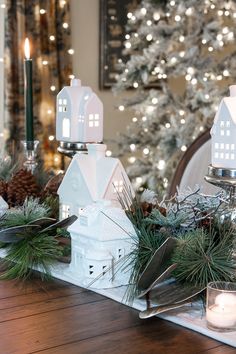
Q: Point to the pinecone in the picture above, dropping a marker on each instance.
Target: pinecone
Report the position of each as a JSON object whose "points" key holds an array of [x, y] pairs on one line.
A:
{"points": [[146, 208], [23, 184], [53, 185], [3, 189]]}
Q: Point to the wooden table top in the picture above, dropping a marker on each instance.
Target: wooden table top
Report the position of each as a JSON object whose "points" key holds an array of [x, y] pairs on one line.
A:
{"points": [[59, 318]]}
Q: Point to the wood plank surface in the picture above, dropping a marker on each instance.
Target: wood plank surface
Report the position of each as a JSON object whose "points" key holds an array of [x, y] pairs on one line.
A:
{"points": [[60, 318]]}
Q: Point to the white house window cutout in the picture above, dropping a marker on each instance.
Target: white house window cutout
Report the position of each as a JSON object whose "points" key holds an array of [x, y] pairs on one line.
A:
{"points": [[81, 119], [96, 268], [66, 128], [65, 211], [118, 186], [120, 253], [93, 120], [62, 105], [232, 146]]}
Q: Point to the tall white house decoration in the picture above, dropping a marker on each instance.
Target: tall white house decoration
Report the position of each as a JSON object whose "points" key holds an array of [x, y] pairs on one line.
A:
{"points": [[90, 178], [79, 116], [223, 133], [101, 237]]}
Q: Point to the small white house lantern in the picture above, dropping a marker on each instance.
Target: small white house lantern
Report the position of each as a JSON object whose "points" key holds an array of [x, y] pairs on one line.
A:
{"points": [[90, 178], [3, 206], [101, 237], [79, 117], [223, 133]]}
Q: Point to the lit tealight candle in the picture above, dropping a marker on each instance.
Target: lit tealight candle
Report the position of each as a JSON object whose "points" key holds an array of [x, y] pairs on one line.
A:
{"points": [[223, 313], [29, 117]]}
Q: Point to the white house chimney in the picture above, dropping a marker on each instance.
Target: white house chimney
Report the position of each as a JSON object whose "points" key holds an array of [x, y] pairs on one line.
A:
{"points": [[75, 82], [97, 150], [232, 90]]}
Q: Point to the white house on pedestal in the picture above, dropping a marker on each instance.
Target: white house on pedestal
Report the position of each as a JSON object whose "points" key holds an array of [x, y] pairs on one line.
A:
{"points": [[100, 237], [79, 116], [90, 178], [223, 133]]}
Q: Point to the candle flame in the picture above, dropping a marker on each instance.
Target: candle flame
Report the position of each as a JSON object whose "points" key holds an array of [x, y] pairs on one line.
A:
{"points": [[27, 48]]}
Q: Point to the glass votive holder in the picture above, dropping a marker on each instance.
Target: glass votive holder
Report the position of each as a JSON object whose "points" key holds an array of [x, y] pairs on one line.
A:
{"points": [[221, 306]]}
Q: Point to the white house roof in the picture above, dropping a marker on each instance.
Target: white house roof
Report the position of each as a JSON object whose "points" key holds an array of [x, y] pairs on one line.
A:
{"points": [[226, 111], [230, 104], [111, 223], [79, 95], [96, 173]]}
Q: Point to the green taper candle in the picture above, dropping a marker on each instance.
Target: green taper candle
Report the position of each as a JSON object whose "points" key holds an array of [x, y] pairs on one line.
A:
{"points": [[29, 116]]}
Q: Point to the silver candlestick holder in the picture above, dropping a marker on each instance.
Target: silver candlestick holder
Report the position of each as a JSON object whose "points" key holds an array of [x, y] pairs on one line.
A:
{"points": [[225, 178], [30, 151]]}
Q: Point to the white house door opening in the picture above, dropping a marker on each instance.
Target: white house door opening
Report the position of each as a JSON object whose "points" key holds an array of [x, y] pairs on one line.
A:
{"points": [[66, 128]]}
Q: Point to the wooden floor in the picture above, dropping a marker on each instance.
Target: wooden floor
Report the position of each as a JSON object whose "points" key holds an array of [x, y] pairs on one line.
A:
{"points": [[60, 318]]}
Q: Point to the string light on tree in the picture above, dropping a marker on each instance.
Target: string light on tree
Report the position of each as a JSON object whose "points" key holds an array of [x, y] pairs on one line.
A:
{"points": [[132, 159], [132, 147], [108, 153], [143, 11], [156, 16], [146, 151], [149, 37]]}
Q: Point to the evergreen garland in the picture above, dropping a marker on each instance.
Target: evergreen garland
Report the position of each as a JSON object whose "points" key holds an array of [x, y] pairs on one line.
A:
{"points": [[204, 247]]}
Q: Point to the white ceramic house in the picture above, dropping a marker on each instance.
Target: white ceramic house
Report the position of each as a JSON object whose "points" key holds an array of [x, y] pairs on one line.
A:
{"points": [[3, 206], [90, 178], [223, 133], [79, 116], [99, 242]]}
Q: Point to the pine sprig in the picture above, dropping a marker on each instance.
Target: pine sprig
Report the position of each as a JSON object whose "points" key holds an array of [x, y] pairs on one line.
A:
{"points": [[31, 210], [34, 252], [202, 257]]}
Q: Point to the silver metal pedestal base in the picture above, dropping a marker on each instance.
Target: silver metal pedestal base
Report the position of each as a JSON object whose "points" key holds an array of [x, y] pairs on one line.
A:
{"points": [[222, 177], [225, 178], [70, 149]]}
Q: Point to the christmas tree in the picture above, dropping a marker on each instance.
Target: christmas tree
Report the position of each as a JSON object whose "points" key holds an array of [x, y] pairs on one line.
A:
{"points": [[182, 60]]}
